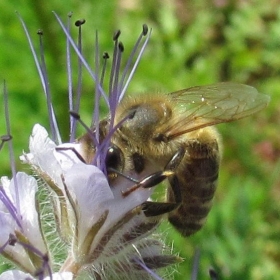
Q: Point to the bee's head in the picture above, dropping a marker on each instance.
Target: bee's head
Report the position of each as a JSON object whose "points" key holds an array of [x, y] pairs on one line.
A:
{"points": [[144, 119]]}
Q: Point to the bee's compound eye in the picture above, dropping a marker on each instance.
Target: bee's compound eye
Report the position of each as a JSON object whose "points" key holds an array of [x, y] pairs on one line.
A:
{"points": [[114, 158]]}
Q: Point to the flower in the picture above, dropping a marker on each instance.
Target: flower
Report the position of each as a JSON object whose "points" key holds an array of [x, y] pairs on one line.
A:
{"points": [[20, 229], [19, 275], [71, 223]]}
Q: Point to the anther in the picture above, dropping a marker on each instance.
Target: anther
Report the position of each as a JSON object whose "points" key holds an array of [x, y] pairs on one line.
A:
{"points": [[80, 22], [75, 115], [121, 47], [40, 32], [145, 29], [5, 138], [70, 14], [105, 55], [45, 258], [12, 239], [213, 274], [116, 35]]}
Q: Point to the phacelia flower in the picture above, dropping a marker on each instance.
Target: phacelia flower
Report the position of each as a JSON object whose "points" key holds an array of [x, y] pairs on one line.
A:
{"points": [[70, 223]]}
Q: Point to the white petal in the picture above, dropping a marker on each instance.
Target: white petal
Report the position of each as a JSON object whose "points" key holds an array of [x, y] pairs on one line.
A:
{"points": [[41, 154], [7, 225], [67, 155], [27, 217], [60, 276], [90, 189], [19, 275], [15, 275], [16, 252], [27, 187]]}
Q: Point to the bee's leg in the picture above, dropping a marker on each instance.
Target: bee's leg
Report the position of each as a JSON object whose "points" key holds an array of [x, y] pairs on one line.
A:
{"points": [[157, 177], [151, 208]]}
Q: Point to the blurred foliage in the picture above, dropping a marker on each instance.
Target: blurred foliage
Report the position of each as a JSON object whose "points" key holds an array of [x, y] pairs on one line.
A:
{"points": [[193, 43]]}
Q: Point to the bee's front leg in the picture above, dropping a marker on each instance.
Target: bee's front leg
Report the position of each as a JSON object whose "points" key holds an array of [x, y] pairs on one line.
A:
{"points": [[151, 208]]}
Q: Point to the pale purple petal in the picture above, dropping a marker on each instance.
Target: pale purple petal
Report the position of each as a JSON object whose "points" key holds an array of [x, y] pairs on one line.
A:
{"points": [[16, 252], [29, 225], [60, 276], [27, 187], [90, 190], [67, 154], [15, 275], [41, 154]]}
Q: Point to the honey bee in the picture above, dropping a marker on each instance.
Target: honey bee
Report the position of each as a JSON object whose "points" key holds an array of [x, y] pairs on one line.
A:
{"points": [[172, 137]]}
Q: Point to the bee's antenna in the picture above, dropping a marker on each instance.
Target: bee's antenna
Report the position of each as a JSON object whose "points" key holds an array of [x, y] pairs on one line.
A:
{"points": [[123, 175]]}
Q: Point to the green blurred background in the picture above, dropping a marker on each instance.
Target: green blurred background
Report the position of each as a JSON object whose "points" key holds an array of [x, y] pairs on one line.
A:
{"points": [[193, 43]]}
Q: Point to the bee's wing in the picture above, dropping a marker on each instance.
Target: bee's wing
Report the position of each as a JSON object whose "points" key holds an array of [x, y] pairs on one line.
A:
{"points": [[202, 106]]}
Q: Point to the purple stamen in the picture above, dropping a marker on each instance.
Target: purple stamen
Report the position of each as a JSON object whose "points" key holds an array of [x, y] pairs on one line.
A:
{"points": [[43, 68], [53, 122], [69, 78], [105, 58], [151, 272], [95, 120], [11, 148], [4, 139], [113, 69], [114, 94], [101, 150], [124, 88], [44, 257], [128, 64], [92, 134], [79, 24], [86, 65], [195, 264], [9, 206]]}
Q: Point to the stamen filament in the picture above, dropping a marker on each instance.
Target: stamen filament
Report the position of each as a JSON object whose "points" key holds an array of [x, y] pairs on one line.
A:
{"points": [[46, 83], [128, 64], [69, 78], [86, 65], [151, 272], [4, 139], [79, 24], [10, 206], [95, 120], [113, 69], [53, 122], [114, 95], [91, 133], [105, 58], [101, 150], [135, 66], [11, 148]]}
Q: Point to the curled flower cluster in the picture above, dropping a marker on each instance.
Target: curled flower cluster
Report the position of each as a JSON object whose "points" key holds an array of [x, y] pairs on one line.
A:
{"points": [[70, 223]]}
